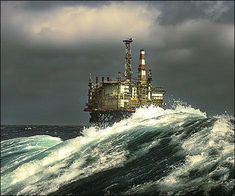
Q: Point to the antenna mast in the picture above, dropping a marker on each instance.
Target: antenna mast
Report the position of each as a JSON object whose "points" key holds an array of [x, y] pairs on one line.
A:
{"points": [[128, 71]]}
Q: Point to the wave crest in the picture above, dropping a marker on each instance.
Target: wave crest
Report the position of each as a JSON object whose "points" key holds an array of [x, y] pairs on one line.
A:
{"points": [[156, 150]]}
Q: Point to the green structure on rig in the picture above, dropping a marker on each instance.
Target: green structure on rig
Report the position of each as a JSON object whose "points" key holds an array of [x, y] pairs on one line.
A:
{"points": [[111, 100]]}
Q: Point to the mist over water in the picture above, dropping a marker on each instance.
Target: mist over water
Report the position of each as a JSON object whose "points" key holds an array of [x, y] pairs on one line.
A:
{"points": [[154, 152]]}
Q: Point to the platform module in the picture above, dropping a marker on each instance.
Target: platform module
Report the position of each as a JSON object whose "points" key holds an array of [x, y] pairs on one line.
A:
{"points": [[111, 100]]}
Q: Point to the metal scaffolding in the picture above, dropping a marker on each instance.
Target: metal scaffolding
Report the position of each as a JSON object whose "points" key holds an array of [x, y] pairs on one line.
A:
{"points": [[128, 70], [107, 118]]}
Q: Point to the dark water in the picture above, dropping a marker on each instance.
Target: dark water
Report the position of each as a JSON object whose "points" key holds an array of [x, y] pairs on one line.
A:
{"points": [[155, 152], [63, 132]]}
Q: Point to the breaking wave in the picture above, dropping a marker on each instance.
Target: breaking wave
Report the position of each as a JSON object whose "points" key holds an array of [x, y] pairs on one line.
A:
{"points": [[154, 152]]}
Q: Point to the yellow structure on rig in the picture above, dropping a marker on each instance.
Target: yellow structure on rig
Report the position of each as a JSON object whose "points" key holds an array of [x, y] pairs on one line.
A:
{"points": [[112, 100]]}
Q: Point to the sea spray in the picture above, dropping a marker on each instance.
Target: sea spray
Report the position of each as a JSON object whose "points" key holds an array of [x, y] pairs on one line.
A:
{"points": [[155, 151]]}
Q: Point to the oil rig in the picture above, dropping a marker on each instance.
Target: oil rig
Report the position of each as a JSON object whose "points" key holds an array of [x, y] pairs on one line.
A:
{"points": [[110, 101]]}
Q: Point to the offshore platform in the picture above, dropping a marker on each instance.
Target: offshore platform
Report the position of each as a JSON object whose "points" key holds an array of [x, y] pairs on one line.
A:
{"points": [[111, 100]]}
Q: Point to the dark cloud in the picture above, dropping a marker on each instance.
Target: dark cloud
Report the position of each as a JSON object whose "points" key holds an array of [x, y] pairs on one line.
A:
{"points": [[174, 12], [42, 83], [38, 5]]}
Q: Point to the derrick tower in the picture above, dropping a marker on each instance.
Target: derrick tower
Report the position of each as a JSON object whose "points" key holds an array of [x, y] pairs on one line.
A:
{"points": [[128, 70]]}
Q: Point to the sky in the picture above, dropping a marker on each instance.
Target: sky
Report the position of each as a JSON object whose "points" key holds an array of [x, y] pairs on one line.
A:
{"points": [[48, 49]]}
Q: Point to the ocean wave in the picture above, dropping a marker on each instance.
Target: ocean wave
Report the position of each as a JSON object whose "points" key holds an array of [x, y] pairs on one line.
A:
{"points": [[156, 151]]}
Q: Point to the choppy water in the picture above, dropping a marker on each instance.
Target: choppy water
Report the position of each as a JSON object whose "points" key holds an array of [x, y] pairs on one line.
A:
{"points": [[176, 151]]}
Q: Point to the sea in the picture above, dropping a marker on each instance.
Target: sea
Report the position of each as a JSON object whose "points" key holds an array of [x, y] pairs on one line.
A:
{"points": [[175, 151]]}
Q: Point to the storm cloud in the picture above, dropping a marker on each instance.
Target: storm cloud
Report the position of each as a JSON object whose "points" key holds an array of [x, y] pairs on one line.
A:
{"points": [[49, 49]]}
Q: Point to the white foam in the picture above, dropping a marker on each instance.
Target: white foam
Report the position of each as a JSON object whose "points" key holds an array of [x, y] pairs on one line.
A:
{"points": [[68, 160], [220, 138], [198, 147]]}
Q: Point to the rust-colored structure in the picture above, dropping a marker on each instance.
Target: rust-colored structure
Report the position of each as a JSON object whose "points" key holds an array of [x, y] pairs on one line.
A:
{"points": [[111, 100]]}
